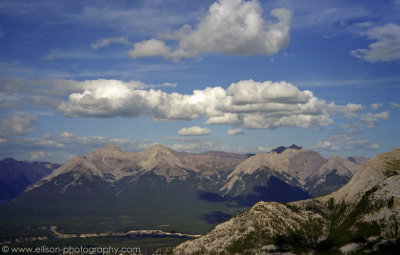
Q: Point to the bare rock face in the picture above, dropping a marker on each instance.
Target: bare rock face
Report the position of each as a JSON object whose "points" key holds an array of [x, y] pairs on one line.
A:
{"points": [[377, 169], [111, 164], [300, 167], [364, 214]]}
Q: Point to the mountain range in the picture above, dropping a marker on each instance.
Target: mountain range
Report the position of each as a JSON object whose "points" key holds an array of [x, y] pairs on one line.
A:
{"points": [[112, 190], [16, 175], [361, 217]]}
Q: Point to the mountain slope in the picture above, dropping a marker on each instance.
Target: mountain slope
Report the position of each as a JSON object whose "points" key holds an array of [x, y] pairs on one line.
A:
{"points": [[364, 215], [16, 175], [112, 164], [112, 190], [298, 167], [109, 189]]}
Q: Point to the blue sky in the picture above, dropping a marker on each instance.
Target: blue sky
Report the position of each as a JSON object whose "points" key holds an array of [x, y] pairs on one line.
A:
{"points": [[231, 75]]}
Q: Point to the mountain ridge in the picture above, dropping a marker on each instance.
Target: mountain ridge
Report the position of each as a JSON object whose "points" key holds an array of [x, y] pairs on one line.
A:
{"points": [[112, 164], [362, 216], [16, 175], [304, 168], [112, 190]]}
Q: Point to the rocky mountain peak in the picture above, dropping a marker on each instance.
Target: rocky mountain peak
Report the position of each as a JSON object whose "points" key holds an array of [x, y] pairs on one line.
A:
{"points": [[159, 148], [157, 155], [281, 149]]}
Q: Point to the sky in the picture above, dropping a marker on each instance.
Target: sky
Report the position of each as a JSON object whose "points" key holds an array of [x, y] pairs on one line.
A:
{"points": [[226, 75]]}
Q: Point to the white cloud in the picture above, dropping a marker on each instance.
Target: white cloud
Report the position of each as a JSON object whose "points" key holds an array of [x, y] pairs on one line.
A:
{"points": [[236, 131], [154, 47], [370, 119], [386, 47], [17, 92], [195, 147], [263, 149], [394, 106], [246, 103], [375, 106], [237, 27], [111, 40], [19, 124], [64, 135], [341, 142], [195, 130], [234, 27], [35, 155]]}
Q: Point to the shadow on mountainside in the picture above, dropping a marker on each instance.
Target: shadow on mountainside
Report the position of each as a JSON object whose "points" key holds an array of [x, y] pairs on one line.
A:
{"points": [[275, 190]]}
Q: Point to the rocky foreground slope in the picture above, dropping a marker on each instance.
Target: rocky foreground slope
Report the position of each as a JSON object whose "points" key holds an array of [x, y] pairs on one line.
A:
{"points": [[362, 216]]}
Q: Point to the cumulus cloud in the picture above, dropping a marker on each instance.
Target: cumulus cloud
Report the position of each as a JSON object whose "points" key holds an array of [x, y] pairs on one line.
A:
{"points": [[111, 40], [154, 47], [246, 103], [17, 92], [370, 119], [394, 106], [341, 142], [234, 27], [386, 47], [19, 124], [236, 131], [195, 130], [375, 106]]}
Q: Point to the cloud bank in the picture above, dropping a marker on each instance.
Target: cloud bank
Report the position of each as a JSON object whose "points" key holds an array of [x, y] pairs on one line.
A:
{"points": [[234, 27], [339, 142], [247, 103]]}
